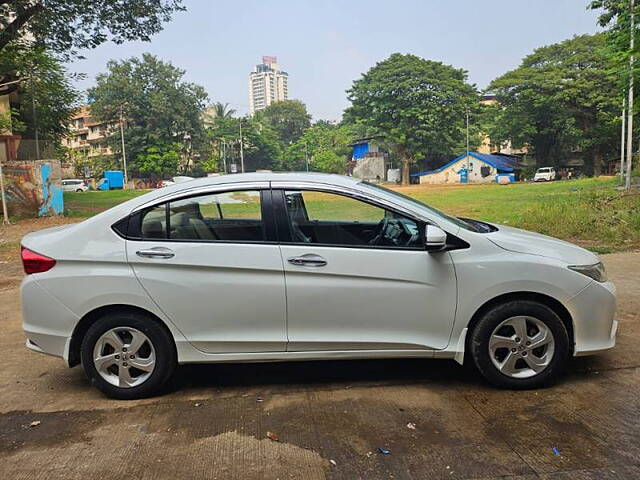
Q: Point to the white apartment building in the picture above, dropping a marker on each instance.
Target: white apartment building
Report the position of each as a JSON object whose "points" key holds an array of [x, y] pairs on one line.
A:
{"points": [[267, 84]]}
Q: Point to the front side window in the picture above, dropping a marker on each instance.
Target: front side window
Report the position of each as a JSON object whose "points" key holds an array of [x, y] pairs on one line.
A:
{"points": [[229, 216], [332, 219]]}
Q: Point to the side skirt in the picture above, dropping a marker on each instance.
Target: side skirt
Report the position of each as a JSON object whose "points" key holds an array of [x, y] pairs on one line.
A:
{"points": [[187, 354]]}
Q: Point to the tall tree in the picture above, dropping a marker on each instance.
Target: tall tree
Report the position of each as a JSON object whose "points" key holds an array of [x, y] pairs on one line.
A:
{"points": [[417, 106], [47, 99], [160, 109], [288, 118], [563, 98], [64, 26], [324, 146], [218, 111]]}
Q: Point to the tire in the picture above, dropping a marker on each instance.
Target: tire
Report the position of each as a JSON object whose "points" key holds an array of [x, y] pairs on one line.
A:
{"points": [[525, 368], [118, 376], [79, 190]]}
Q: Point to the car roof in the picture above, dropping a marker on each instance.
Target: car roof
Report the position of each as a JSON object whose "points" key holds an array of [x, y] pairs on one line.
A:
{"points": [[313, 177], [308, 177], [240, 178]]}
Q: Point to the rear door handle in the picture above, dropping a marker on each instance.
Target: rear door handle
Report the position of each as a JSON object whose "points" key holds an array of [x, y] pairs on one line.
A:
{"points": [[156, 252], [308, 260]]}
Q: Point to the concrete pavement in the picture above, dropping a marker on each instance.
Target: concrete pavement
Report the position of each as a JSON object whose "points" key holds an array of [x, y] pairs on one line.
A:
{"points": [[329, 418]]}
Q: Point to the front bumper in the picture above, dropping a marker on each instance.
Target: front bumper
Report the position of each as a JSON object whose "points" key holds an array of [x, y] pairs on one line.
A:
{"points": [[593, 311]]}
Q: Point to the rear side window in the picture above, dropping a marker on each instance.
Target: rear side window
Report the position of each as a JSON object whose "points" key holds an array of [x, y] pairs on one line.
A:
{"points": [[229, 216], [154, 222]]}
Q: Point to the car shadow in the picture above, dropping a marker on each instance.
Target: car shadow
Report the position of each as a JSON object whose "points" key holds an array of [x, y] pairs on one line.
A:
{"points": [[302, 375], [319, 374]]}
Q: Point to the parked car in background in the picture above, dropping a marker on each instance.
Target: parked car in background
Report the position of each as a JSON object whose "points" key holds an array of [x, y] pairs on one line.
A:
{"points": [[74, 185], [294, 266], [545, 174], [174, 180]]}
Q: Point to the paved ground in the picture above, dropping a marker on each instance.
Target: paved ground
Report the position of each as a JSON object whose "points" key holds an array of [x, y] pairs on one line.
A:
{"points": [[330, 418]]}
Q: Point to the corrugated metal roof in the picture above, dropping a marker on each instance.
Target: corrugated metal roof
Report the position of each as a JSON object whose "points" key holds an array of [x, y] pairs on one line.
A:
{"points": [[503, 163]]}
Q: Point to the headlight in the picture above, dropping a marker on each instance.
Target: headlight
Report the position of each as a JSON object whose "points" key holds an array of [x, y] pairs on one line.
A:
{"points": [[596, 271]]}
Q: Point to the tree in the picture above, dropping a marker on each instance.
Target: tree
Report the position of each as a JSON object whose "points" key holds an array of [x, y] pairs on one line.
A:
{"points": [[218, 111], [288, 119], [63, 26], [45, 89], [417, 106], [324, 145], [562, 98], [160, 161], [159, 108]]}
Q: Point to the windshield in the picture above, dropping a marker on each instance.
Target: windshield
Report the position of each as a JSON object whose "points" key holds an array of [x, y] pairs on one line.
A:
{"points": [[543, 170], [418, 203]]}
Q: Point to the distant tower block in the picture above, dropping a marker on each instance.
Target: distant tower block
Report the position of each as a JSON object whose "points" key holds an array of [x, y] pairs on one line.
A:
{"points": [[267, 84]]}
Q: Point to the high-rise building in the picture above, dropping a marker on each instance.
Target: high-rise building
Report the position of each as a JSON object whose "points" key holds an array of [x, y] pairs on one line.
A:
{"points": [[267, 84]]}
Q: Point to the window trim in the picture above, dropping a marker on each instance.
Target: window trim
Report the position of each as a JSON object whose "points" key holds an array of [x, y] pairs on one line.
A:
{"points": [[284, 226]]}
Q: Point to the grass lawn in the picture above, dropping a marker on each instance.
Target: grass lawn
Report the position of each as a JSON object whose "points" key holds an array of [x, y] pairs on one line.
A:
{"points": [[589, 212]]}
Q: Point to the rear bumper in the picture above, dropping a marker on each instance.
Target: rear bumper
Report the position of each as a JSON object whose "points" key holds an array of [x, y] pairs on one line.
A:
{"points": [[593, 311], [47, 323]]}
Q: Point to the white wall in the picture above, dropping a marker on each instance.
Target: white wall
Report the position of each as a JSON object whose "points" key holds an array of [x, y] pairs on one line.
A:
{"points": [[450, 175]]}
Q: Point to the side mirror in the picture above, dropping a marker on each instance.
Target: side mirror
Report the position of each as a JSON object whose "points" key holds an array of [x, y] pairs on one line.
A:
{"points": [[435, 239]]}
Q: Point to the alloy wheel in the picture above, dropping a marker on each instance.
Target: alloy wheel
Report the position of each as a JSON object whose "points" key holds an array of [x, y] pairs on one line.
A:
{"points": [[521, 347], [124, 357]]}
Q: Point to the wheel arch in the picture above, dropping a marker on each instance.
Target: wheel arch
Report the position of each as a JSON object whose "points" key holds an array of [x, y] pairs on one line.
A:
{"points": [[542, 298], [89, 318]]}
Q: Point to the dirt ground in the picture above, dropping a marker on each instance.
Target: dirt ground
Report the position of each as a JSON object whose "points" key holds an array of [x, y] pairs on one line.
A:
{"points": [[330, 418]]}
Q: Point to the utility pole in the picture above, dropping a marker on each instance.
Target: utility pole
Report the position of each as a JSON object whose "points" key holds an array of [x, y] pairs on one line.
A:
{"points": [[306, 156], [5, 213], [467, 111], [3, 197], [35, 117], [624, 132], [241, 149], [124, 154], [224, 156], [627, 183]]}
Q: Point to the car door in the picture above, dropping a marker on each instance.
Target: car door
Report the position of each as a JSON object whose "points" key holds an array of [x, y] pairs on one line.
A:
{"points": [[358, 276], [212, 264]]}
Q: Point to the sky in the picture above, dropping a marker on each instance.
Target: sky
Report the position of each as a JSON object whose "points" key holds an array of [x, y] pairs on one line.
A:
{"points": [[325, 45]]}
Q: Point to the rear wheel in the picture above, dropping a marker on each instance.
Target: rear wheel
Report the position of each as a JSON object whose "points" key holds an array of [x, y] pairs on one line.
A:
{"points": [[520, 344], [79, 190], [128, 355]]}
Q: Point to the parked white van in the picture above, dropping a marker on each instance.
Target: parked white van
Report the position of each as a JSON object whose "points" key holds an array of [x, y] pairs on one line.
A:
{"points": [[545, 174]]}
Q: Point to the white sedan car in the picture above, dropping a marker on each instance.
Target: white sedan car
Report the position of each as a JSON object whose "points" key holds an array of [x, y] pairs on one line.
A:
{"points": [[279, 267]]}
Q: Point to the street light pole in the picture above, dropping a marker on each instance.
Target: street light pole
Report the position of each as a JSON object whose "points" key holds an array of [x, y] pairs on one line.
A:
{"points": [[124, 154], [467, 111], [241, 149]]}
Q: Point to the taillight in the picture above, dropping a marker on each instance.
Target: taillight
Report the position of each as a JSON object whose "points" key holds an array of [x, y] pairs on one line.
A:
{"points": [[34, 262]]}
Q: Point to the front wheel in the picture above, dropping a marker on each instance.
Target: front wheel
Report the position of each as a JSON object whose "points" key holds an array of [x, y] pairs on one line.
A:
{"points": [[128, 355], [520, 344]]}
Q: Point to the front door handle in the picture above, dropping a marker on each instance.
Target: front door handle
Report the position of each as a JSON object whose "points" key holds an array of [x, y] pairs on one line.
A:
{"points": [[156, 252], [308, 260]]}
